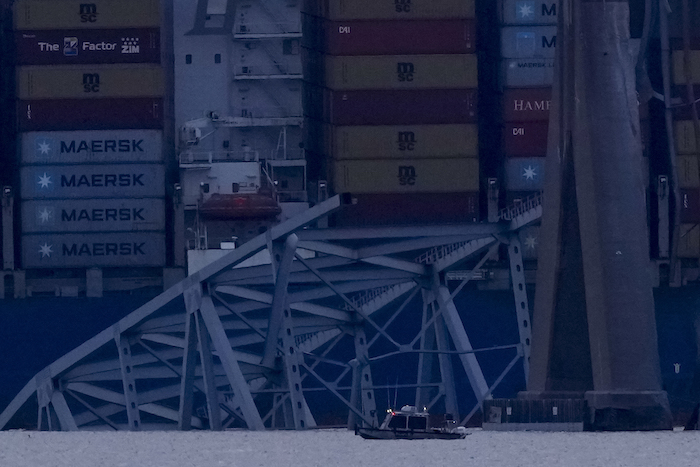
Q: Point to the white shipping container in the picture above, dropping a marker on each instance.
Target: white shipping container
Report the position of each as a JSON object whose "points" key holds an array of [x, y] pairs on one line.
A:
{"points": [[92, 181], [93, 215], [81, 147], [88, 250], [529, 11], [527, 72], [528, 41]]}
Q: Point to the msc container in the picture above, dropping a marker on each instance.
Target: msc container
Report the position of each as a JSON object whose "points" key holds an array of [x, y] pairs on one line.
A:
{"points": [[92, 181], [688, 171], [401, 72], [80, 147], [76, 46], [450, 36], [529, 12], [392, 107], [90, 250], [524, 173], [526, 104], [525, 139], [524, 72], [77, 14], [528, 42], [409, 209], [690, 205], [529, 241], [403, 141], [89, 82], [390, 9], [406, 175], [685, 137], [93, 215], [689, 241], [90, 114], [678, 67]]}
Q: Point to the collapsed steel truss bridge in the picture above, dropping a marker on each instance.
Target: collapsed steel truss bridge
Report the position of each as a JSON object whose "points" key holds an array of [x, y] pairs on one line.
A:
{"points": [[235, 346]]}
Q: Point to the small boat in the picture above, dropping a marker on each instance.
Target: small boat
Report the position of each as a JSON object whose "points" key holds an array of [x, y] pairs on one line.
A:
{"points": [[409, 423]]}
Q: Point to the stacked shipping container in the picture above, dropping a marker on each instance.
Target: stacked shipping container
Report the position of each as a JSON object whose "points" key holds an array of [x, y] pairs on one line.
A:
{"points": [[90, 96], [390, 104], [687, 139], [528, 44]]}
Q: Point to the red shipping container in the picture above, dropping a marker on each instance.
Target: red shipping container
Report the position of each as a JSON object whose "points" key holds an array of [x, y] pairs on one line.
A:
{"points": [[526, 104], [90, 114], [690, 206], [393, 107], [64, 47], [525, 139], [409, 209], [453, 36]]}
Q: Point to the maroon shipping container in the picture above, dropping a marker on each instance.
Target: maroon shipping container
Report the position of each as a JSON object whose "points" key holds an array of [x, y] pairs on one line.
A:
{"points": [[525, 139], [690, 206], [90, 114], [453, 36], [63, 47], [409, 209], [526, 104], [392, 107]]}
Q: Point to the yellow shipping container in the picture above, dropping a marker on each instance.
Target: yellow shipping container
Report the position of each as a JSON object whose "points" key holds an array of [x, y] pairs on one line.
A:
{"points": [[89, 82], [689, 241], [404, 141], [407, 176], [401, 72], [688, 175], [78, 14], [398, 9], [679, 74], [685, 137]]}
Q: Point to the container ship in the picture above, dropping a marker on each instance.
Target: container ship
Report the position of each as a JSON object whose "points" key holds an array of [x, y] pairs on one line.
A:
{"points": [[144, 140]]}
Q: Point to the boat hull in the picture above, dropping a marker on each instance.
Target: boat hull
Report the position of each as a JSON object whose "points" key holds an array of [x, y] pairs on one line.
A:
{"points": [[378, 433]]}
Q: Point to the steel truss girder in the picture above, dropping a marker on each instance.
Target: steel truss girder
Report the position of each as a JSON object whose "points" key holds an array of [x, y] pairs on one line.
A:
{"points": [[210, 350]]}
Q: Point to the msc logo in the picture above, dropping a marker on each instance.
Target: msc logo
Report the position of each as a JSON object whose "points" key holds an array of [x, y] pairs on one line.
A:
{"points": [[402, 6], [407, 175], [405, 71], [88, 12], [91, 82], [407, 141]]}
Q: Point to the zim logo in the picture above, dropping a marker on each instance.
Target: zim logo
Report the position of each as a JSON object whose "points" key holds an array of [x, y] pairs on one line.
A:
{"points": [[405, 71], [407, 175], [130, 45], [91, 82], [88, 13]]}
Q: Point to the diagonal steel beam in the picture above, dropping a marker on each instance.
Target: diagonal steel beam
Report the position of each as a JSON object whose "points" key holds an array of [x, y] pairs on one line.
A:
{"points": [[228, 360]]}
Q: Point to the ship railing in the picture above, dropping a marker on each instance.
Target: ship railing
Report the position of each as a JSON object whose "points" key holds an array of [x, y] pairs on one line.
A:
{"points": [[518, 209], [439, 252], [284, 196], [268, 28], [210, 157]]}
